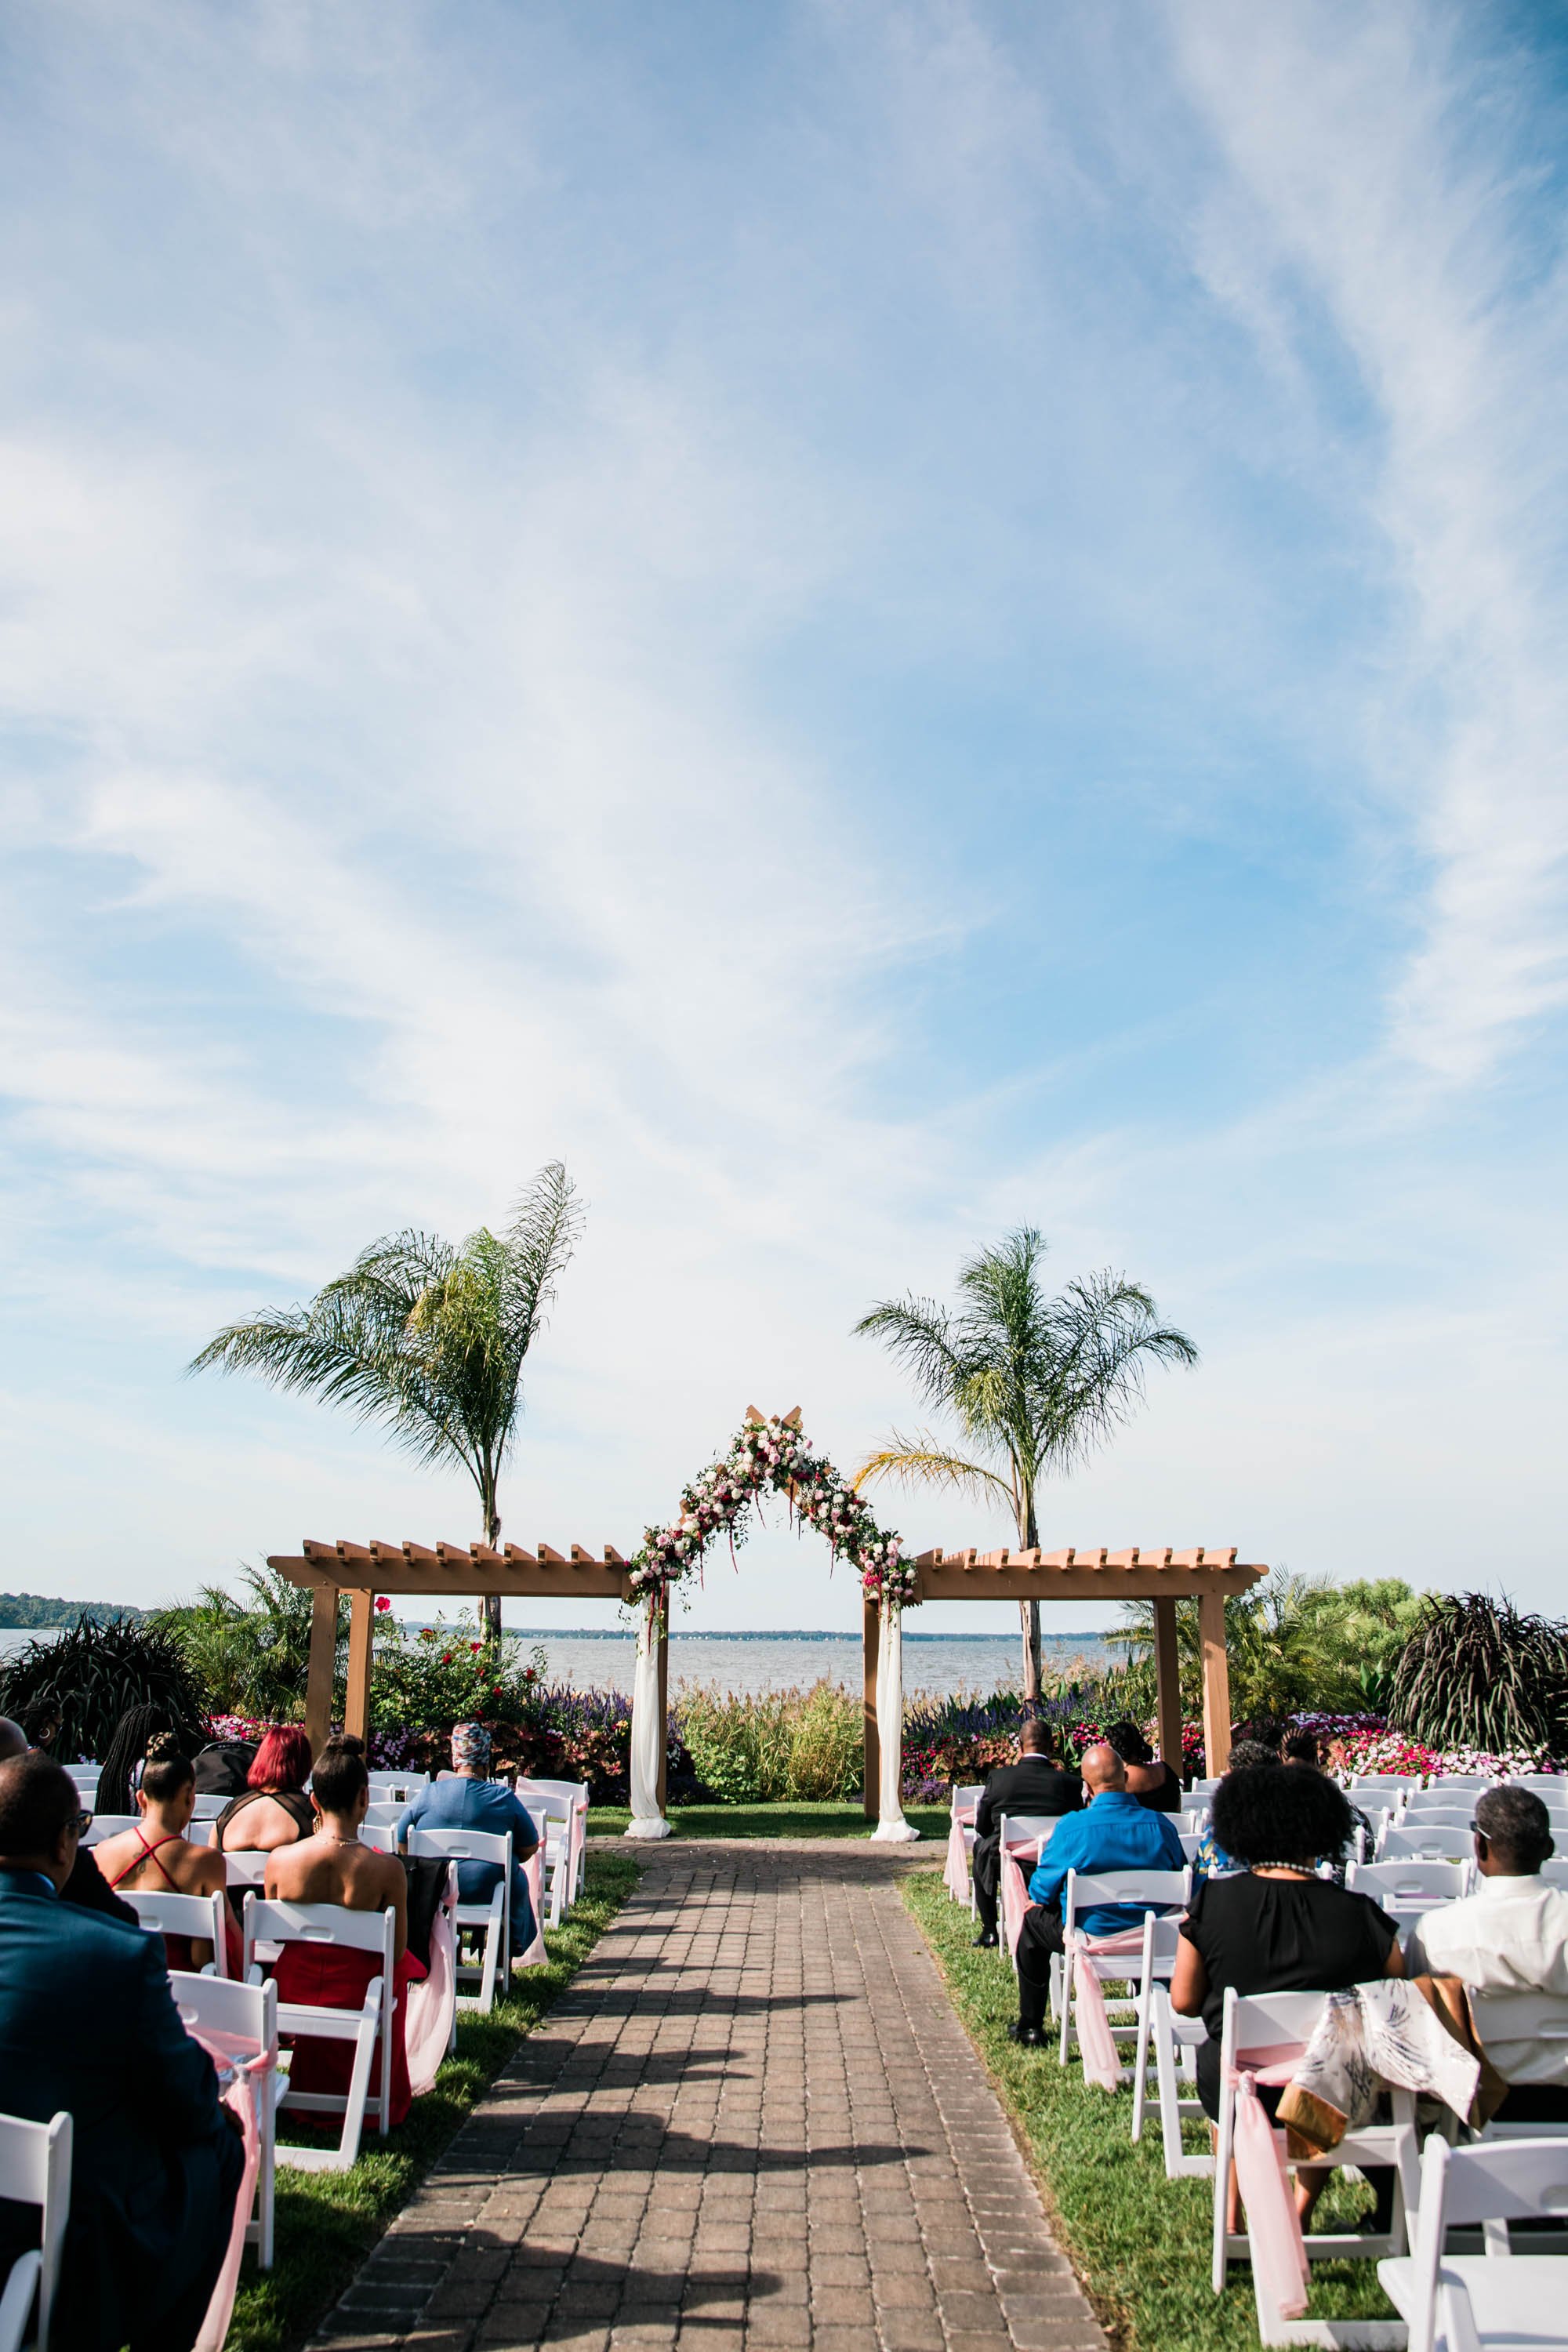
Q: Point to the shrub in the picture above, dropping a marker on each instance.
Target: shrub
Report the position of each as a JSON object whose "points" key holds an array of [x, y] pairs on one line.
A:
{"points": [[252, 1655], [1478, 1673], [826, 1752], [94, 1674]]}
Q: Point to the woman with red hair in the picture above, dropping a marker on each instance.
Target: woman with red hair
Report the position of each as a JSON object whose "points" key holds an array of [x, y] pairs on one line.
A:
{"points": [[273, 1810]]}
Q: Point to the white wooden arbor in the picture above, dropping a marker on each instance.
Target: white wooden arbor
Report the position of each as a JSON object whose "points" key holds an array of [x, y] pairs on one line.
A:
{"points": [[446, 1573]]}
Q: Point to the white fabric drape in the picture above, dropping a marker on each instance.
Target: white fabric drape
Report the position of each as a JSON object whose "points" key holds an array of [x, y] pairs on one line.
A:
{"points": [[648, 1732], [891, 1827]]}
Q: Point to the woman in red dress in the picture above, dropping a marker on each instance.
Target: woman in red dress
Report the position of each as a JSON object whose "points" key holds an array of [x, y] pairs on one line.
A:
{"points": [[157, 1858], [333, 1866]]}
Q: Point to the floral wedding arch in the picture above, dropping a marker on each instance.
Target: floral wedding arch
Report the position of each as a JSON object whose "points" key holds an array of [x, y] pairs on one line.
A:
{"points": [[769, 1456]]}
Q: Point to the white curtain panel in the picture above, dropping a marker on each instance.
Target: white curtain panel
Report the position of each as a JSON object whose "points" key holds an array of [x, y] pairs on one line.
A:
{"points": [[648, 1733], [891, 1827]]}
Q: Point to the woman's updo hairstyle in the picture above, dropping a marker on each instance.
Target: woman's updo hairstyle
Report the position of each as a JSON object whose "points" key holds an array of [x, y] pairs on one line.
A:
{"points": [[1130, 1744], [167, 1770], [1277, 1813], [340, 1776]]}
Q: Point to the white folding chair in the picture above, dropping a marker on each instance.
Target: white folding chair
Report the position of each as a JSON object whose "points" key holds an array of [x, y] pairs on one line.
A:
{"points": [[1176, 2041], [575, 1794], [381, 1836], [245, 2016], [86, 1777], [108, 1825], [359, 1931], [962, 1805], [1503, 2021], [1145, 1890], [1270, 2021], [244, 1869], [207, 1809], [554, 1817], [1406, 1890], [1192, 1820], [1202, 1791], [1474, 2302], [491, 1917], [385, 1816], [1555, 1869], [1425, 1844], [1191, 1840], [1391, 1786], [161, 1913], [1471, 1783], [1435, 1816], [397, 1789], [1161, 1941], [35, 2169]]}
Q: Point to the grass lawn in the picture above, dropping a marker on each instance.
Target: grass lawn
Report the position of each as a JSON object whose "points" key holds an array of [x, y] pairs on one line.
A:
{"points": [[1139, 2242], [327, 2221], [790, 1821]]}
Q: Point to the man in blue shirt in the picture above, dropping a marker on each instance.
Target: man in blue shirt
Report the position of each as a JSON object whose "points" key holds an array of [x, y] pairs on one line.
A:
{"points": [[467, 1798], [1115, 1832]]}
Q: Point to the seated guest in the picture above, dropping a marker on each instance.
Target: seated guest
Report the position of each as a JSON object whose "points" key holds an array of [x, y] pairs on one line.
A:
{"points": [[156, 1857], [1211, 1860], [273, 1811], [87, 2024], [1035, 1784], [1277, 1926], [1154, 1782], [86, 1884], [467, 1799], [1114, 1832], [333, 1866], [1305, 1750], [1510, 1935]]}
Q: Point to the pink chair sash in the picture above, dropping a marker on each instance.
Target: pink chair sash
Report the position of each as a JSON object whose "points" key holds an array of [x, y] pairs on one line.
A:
{"points": [[536, 1956], [955, 1876], [1015, 1898], [1273, 2224], [1096, 2042], [430, 2005], [242, 2095]]}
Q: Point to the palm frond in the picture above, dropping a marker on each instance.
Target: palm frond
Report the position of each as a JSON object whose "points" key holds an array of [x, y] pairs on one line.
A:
{"points": [[919, 1333], [923, 1463]]}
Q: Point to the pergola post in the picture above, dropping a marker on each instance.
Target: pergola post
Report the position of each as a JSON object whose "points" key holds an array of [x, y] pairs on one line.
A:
{"points": [[1168, 1683], [1216, 1682], [323, 1667], [870, 1634], [664, 1709], [361, 1627]]}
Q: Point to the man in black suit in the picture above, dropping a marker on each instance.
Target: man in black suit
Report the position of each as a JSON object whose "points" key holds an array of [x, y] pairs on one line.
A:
{"points": [[1036, 1784]]}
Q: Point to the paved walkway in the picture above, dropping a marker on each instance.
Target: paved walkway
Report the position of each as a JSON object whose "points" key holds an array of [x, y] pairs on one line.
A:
{"points": [[751, 2120]]}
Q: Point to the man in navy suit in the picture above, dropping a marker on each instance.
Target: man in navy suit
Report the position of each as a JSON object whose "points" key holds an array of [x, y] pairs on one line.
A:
{"points": [[87, 2023]]}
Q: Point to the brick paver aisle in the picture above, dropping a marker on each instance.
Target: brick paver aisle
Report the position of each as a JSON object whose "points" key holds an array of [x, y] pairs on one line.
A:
{"points": [[753, 2119]]}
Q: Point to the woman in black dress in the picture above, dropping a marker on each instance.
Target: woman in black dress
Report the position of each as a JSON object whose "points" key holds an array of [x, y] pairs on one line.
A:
{"points": [[1152, 1780], [1277, 1926]]}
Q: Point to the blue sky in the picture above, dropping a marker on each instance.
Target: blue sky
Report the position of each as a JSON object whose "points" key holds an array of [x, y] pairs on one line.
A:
{"points": [[867, 623]]}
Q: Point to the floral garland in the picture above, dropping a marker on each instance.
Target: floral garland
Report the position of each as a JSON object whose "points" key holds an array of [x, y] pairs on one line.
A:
{"points": [[774, 1454]]}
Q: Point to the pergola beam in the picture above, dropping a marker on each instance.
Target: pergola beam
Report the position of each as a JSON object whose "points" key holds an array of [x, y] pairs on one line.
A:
{"points": [[461, 1571]]}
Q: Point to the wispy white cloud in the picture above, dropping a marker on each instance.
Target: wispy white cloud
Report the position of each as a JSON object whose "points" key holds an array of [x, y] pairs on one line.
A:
{"points": [[1372, 178]]}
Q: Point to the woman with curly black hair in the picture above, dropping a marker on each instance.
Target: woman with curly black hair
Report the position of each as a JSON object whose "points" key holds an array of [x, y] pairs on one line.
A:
{"points": [[1277, 1926]]}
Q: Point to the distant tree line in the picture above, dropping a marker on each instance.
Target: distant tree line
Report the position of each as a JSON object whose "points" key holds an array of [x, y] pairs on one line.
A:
{"points": [[24, 1611]]}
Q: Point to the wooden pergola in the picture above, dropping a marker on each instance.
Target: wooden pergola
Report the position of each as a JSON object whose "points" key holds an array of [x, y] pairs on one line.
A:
{"points": [[448, 1572]]}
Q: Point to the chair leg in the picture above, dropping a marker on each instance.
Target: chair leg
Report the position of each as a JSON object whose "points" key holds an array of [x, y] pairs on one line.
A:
{"points": [[1141, 2058], [1067, 2005]]}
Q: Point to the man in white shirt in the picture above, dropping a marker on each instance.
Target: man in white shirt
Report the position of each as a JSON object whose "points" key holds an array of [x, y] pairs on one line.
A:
{"points": [[1510, 1937]]}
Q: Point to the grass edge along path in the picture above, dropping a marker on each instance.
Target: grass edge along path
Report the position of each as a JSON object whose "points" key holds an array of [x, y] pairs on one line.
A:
{"points": [[328, 2221], [1139, 2242], [786, 1820]]}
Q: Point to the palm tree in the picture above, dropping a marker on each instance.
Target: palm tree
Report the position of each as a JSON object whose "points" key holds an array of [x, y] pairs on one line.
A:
{"points": [[1033, 1383], [428, 1338]]}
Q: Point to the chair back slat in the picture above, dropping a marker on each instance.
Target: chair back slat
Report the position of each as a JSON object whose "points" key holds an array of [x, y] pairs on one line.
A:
{"points": [[1132, 1889], [463, 1845], [315, 1923]]}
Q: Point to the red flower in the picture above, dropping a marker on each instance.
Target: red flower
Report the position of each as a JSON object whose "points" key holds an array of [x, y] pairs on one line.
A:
{"points": [[474, 1646], [447, 1659], [383, 1601]]}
